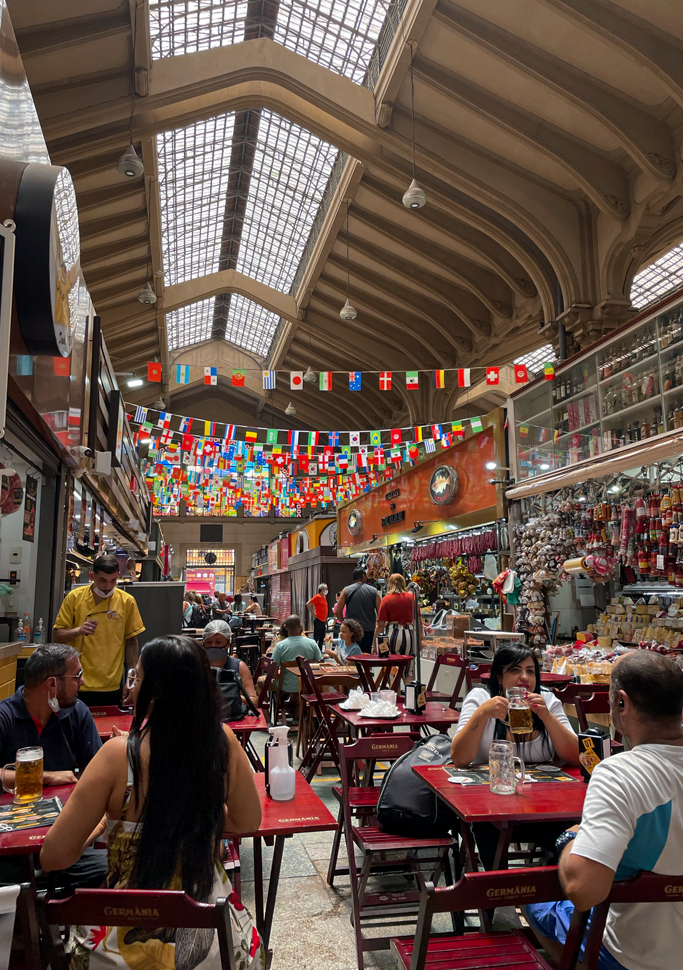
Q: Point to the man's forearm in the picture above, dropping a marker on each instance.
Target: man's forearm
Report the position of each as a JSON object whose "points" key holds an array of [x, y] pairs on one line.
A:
{"points": [[66, 636], [132, 652]]}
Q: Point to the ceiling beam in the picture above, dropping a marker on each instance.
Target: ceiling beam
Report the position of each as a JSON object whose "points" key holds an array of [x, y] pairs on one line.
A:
{"points": [[230, 281]]}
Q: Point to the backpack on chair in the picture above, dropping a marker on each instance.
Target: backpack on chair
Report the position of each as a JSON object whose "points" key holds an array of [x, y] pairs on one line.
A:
{"points": [[406, 805], [235, 702]]}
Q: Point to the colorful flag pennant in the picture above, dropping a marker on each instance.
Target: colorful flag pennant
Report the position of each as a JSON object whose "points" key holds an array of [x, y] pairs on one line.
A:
{"points": [[524, 430], [430, 447], [476, 424], [238, 378], [492, 375], [438, 379], [548, 371], [250, 434], [417, 434], [375, 437], [185, 425], [325, 380], [271, 436], [269, 380], [296, 380], [333, 439], [229, 432], [140, 414], [436, 432], [355, 380], [182, 374], [209, 429], [395, 436], [464, 377], [521, 374], [457, 429], [313, 437], [210, 375], [354, 438], [187, 442], [164, 420], [412, 380], [385, 380], [154, 372]]}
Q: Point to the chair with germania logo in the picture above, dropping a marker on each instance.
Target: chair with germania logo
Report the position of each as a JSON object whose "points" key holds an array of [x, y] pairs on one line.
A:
{"points": [[147, 909], [509, 948], [382, 853]]}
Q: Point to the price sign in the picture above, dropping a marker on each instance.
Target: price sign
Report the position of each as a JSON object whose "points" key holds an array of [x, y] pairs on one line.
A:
{"points": [[660, 562]]}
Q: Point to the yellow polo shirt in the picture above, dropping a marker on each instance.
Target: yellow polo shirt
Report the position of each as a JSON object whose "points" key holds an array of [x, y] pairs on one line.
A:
{"points": [[102, 653]]}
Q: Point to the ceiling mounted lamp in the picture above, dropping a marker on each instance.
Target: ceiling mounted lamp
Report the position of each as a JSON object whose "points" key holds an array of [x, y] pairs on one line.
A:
{"points": [[310, 376], [290, 410], [147, 295], [414, 197], [348, 311], [134, 381], [160, 404], [130, 163]]}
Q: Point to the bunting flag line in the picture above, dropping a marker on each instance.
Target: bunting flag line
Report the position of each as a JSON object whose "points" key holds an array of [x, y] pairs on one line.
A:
{"points": [[385, 377], [269, 380], [412, 380], [325, 380], [210, 375], [355, 380], [182, 374], [154, 372], [438, 380], [492, 375], [521, 374], [464, 379], [548, 371], [296, 380]]}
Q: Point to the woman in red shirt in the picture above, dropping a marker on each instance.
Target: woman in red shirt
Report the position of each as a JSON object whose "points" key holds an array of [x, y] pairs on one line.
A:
{"points": [[396, 616]]}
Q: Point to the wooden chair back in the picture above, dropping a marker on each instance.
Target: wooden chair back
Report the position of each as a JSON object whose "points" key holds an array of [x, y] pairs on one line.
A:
{"points": [[570, 692], [277, 689], [325, 738], [266, 668], [391, 667]]}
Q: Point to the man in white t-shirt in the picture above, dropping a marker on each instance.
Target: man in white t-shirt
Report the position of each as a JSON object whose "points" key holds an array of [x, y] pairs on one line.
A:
{"points": [[632, 821]]}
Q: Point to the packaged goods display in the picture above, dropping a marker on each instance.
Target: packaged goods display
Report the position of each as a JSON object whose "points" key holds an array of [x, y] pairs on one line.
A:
{"points": [[543, 544]]}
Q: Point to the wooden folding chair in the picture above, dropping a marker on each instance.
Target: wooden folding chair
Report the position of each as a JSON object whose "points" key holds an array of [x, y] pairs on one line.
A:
{"points": [[144, 908], [453, 660], [475, 948], [266, 668], [382, 852], [595, 704], [276, 693], [477, 673], [393, 666], [324, 741], [363, 798]]}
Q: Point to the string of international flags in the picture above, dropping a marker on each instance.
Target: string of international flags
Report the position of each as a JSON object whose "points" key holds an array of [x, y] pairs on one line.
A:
{"points": [[295, 380]]}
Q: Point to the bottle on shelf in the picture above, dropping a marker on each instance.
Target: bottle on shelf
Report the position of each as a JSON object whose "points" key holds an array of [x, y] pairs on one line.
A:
{"points": [[39, 635], [27, 627], [21, 633]]}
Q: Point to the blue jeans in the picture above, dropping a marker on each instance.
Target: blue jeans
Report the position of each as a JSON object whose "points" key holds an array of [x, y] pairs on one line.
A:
{"points": [[552, 921]]}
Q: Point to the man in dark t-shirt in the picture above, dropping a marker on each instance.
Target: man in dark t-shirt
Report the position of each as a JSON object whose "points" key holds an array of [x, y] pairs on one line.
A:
{"points": [[362, 602]]}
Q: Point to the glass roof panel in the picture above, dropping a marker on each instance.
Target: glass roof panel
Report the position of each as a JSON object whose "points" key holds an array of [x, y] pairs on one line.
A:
{"points": [[194, 166], [250, 325], [190, 324], [291, 169], [186, 26], [537, 358], [657, 279]]}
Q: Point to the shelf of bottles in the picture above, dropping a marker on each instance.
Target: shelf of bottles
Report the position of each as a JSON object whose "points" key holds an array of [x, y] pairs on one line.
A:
{"points": [[624, 391]]}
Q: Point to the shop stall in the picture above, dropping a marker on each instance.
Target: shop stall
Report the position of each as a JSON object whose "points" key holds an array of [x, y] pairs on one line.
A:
{"points": [[279, 579], [313, 560]]}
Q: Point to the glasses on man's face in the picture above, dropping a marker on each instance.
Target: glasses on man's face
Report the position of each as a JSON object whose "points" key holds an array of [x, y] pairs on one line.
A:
{"points": [[131, 678], [71, 676]]}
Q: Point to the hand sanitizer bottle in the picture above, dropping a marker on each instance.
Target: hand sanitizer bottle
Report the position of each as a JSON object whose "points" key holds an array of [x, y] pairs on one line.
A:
{"points": [[39, 635], [281, 776]]}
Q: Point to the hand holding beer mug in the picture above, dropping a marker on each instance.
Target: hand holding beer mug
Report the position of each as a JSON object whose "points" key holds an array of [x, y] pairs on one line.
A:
{"points": [[28, 776], [519, 712]]}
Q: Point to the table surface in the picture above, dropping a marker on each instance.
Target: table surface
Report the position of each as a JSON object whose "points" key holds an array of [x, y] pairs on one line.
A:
{"points": [[105, 724], [434, 714], [306, 812], [538, 801], [546, 678]]}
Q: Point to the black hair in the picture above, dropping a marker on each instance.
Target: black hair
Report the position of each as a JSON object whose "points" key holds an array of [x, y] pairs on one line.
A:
{"points": [[508, 656], [254, 599], [238, 599], [358, 573], [357, 631], [49, 660], [182, 815], [293, 623], [106, 564], [653, 683]]}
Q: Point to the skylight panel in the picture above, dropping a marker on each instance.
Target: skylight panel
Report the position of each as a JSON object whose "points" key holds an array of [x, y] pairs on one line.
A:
{"points": [[657, 279], [194, 167], [250, 325], [291, 169], [186, 26], [190, 324], [537, 358]]}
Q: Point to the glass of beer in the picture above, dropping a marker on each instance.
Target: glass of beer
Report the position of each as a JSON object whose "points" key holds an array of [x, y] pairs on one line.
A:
{"points": [[521, 721], [28, 776]]}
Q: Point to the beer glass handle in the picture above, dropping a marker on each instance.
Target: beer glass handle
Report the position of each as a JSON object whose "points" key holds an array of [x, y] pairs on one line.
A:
{"points": [[521, 767], [2, 778]]}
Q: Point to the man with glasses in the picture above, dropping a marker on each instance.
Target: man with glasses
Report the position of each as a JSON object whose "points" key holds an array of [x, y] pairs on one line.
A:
{"points": [[47, 712], [103, 623]]}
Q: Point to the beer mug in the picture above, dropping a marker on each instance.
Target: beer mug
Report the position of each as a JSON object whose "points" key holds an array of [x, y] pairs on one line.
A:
{"points": [[502, 768], [519, 713], [28, 776]]}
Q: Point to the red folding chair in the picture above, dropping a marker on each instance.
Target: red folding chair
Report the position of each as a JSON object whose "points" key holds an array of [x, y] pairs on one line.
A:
{"points": [[477, 673], [569, 693], [474, 948], [382, 852], [467, 671], [268, 668], [363, 798], [595, 704], [324, 740], [145, 908], [110, 710], [365, 663], [232, 864]]}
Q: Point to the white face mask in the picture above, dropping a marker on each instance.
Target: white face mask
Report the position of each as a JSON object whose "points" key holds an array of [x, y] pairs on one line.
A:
{"points": [[101, 595]]}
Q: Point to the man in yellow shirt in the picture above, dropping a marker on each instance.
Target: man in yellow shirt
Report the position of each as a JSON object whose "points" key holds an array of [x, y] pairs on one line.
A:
{"points": [[103, 623]]}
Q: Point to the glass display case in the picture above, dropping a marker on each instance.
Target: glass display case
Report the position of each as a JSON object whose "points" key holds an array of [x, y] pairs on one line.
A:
{"points": [[626, 388]]}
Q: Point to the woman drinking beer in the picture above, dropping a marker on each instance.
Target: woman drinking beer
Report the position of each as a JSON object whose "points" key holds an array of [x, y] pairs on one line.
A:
{"points": [[513, 703]]}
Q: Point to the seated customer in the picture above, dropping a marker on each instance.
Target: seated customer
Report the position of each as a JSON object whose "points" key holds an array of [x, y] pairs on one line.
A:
{"points": [[483, 720], [46, 711], [254, 609], [294, 645], [351, 634], [170, 790], [216, 641], [632, 820]]}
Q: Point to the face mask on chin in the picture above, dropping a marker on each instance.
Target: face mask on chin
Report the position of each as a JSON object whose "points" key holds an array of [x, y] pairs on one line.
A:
{"points": [[215, 653], [101, 595]]}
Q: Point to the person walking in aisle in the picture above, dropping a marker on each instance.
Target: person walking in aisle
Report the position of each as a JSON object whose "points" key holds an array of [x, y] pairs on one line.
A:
{"points": [[318, 608], [362, 601]]}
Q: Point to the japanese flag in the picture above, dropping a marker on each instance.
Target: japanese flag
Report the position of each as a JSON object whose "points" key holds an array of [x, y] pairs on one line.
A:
{"points": [[296, 380]]}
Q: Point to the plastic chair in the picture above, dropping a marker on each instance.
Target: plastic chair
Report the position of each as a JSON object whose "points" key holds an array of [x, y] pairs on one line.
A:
{"points": [[324, 741], [365, 663], [363, 799], [146, 908], [378, 854], [474, 948]]}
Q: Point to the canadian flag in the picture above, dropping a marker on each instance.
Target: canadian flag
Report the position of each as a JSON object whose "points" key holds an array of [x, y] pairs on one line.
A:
{"points": [[492, 375], [521, 375]]}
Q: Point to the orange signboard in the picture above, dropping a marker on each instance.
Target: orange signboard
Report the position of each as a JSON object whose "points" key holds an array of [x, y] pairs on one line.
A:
{"points": [[452, 485]]}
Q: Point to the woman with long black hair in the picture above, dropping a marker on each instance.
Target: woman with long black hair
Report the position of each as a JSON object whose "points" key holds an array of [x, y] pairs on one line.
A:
{"points": [[483, 719], [169, 790]]}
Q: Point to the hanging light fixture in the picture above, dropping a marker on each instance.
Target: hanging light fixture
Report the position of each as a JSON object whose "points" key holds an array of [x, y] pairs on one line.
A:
{"points": [[348, 311], [414, 197], [290, 410], [310, 376], [147, 294], [130, 164]]}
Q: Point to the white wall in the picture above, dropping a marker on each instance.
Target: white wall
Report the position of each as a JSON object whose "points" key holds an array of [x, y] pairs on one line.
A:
{"points": [[11, 527]]}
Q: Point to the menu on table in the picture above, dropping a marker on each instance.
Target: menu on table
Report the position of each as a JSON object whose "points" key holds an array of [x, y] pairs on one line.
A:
{"points": [[479, 774], [38, 815]]}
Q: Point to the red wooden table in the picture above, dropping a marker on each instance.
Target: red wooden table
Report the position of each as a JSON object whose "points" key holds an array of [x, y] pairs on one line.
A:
{"points": [[436, 715], [554, 801], [105, 724]]}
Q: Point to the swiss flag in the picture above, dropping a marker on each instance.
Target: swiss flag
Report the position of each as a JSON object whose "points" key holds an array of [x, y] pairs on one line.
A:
{"points": [[492, 375], [521, 376]]}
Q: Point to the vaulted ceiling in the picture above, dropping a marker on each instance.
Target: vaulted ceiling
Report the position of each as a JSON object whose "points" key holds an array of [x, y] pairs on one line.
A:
{"points": [[547, 140]]}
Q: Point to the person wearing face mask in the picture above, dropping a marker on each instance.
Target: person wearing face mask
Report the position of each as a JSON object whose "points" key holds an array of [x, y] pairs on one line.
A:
{"points": [[319, 609], [216, 641], [103, 623]]}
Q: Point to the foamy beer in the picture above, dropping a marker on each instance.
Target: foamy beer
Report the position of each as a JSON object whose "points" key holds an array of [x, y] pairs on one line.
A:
{"points": [[519, 712], [28, 776]]}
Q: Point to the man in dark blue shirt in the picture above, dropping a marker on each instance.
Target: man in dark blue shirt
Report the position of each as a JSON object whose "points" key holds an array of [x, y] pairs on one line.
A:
{"points": [[46, 711]]}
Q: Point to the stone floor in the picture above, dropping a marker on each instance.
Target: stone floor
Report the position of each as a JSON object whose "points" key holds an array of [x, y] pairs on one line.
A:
{"points": [[312, 928]]}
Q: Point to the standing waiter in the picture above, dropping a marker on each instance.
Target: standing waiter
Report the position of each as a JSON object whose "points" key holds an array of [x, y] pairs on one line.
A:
{"points": [[103, 624]]}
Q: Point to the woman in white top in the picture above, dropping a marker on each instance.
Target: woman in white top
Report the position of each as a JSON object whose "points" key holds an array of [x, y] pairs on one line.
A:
{"points": [[483, 720]]}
